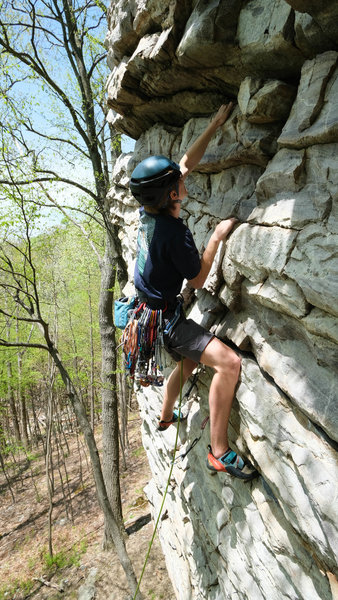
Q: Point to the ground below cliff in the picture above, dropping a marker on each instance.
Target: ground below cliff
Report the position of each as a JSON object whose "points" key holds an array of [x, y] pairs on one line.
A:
{"points": [[80, 567]]}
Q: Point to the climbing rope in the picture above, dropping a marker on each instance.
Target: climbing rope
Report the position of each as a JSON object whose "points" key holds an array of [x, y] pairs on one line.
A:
{"points": [[167, 486]]}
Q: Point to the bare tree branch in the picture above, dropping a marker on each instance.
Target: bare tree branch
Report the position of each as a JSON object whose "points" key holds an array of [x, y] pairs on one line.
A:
{"points": [[78, 225], [18, 318], [22, 345], [81, 211], [57, 139], [39, 68], [55, 178]]}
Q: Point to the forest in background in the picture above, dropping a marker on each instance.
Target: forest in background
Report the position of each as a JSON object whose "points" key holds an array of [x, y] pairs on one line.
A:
{"points": [[59, 349], [68, 280], [39, 432]]}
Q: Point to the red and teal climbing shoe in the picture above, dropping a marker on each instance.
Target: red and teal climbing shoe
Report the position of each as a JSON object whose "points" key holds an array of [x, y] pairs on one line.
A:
{"points": [[163, 425], [231, 463]]}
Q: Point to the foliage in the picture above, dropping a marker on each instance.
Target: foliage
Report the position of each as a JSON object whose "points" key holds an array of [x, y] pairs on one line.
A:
{"points": [[53, 90], [67, 274], [56, 146], [8, 591], [64, 557], [56, 138]]}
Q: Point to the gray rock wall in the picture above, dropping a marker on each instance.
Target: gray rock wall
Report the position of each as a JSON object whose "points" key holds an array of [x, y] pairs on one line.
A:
{"points": [[273, 288]]}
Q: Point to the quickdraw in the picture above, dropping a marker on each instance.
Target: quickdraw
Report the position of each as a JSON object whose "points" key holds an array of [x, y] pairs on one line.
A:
{"points": [[142, 342], [194, 442]]}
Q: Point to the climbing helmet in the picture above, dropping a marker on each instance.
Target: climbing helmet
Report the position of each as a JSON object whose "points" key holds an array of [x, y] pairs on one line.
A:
{"points": [[153, 179]]}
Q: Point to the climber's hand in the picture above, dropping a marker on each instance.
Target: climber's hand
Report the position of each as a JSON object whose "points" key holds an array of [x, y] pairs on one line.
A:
{"points": [[223, 114], [196, 151], [223, 228]]}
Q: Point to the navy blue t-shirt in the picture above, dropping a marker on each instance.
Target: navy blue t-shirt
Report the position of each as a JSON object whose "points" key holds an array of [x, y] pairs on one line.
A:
{"points": [[166, 255]]}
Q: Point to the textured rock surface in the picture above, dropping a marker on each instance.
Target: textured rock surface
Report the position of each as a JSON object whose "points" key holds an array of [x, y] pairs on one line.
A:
{"points": [[273, 288]]}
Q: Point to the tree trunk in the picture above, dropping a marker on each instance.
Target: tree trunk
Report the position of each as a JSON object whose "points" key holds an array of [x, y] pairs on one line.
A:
{"points": [[112, 523], [49, 463], [23, 417], [37, 431], [91, 384], [3, 466], [110, 424], [12, 404], [21, 396], [123, 417]]}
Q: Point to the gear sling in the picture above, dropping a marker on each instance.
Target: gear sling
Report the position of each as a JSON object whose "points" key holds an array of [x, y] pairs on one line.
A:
{"points": [[143, 342]]}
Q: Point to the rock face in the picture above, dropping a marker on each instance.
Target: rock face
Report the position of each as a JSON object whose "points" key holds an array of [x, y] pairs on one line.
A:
{"points": [[273, 290]]}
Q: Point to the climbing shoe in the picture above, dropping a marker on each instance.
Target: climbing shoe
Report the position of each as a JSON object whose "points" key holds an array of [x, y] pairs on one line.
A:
{"points": [[231, 463], [163, 425]]}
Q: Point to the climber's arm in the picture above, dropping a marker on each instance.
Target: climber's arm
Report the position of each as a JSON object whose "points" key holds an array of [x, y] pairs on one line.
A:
{"points": [[222, 230], [194, 154]]}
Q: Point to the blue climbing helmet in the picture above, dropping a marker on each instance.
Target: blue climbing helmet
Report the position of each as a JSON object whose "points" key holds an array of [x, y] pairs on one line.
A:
{"points": [[153, 179]]}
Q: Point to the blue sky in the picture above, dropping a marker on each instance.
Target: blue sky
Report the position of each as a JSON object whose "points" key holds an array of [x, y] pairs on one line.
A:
{"points": [[49, 116], [127, 144]]}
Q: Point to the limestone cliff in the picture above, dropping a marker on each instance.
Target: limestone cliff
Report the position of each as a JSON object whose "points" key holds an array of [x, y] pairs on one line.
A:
{"points": [[274, 287]]}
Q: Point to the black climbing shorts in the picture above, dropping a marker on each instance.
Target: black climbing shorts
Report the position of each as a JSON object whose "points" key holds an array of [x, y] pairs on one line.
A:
{"points": [[187, 339]]}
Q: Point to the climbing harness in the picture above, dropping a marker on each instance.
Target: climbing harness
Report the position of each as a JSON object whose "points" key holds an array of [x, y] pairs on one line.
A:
{"points": [[170, 326]]}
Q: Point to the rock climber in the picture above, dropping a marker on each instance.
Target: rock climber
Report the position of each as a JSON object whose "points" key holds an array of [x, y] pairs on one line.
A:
{"points": [[166, 256]]}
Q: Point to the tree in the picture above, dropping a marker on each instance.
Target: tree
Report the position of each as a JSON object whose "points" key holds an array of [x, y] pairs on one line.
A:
{"points": [[20, 283], [52, 54], [30, 33]]}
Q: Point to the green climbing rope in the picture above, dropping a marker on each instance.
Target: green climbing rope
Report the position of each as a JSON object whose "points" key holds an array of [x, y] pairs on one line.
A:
{"points": [[167, 486]]}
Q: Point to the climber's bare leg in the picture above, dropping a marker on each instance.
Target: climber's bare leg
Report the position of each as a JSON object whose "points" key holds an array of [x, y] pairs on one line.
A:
{"points": [[226, 365], [172, 388]]}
